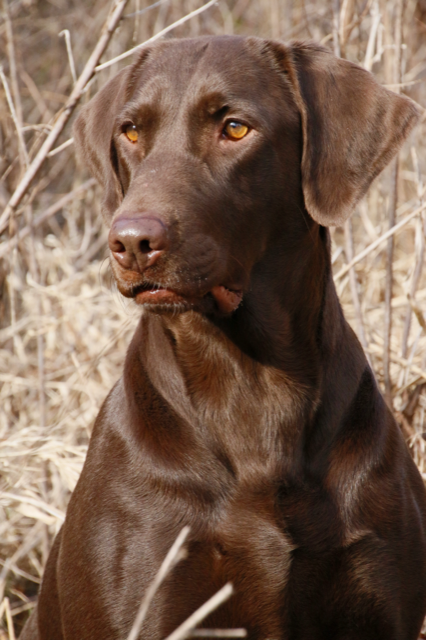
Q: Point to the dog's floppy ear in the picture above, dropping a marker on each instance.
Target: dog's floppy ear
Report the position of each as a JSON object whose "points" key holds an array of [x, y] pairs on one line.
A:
{"points": [[352, 127], [93, 130]]}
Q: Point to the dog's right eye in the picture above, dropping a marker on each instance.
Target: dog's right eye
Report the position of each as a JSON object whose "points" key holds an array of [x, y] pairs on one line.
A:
{"points": [[235, 130], [131, 132]]}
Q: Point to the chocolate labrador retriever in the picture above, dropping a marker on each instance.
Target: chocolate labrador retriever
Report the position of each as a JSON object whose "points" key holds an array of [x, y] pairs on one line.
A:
{"points": [[247, 409]]}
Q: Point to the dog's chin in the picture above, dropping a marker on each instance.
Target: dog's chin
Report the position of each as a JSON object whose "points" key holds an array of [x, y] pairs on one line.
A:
{"points": [[156, 298]]}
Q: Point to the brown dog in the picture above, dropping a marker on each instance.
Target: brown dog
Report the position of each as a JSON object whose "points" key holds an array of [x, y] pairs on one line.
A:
{"points": [[247, 409]]}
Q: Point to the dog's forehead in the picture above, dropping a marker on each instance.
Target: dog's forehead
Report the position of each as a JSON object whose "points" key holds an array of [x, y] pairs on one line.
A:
{"points": [[217, 64]]}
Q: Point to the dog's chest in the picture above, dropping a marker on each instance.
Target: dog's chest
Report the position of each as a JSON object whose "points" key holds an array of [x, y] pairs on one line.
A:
{"points": [[250, 550], [242, 540], [252, 412]]}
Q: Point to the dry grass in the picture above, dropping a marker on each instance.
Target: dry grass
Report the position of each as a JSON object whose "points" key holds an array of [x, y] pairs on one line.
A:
{"points": [[64, 329]]}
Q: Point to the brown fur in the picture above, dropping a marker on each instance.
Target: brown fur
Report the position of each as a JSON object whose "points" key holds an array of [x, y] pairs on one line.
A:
{"points": [[260, 425]]}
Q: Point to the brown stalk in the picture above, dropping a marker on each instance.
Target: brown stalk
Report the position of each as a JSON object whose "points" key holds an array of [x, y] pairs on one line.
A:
{"points": [[88, 71], [176, 553], [23, 155], [78, 192], [345, 20], [9, 620], [157, 36], [198, 616], [389, 284], [218, 633], [336, 27], [341, 18], [40, 341], [420, 256], [306, 18], [349, 250], [385, 236], [12, 61], [392, 218], [375, 349]]}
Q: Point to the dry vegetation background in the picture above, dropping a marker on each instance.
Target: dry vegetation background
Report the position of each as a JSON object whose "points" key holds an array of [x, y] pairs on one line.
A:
{"points": [[63, 327]]}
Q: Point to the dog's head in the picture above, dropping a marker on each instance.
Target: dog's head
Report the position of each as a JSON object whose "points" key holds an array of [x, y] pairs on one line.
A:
{"points": [[211, 150]]}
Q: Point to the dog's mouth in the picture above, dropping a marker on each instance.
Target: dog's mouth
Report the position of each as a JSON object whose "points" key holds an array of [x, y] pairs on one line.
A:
{"points": [[224, 299]]}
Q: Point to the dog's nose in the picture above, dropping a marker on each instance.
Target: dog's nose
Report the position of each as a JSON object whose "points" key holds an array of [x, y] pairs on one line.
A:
{"points": [[137, 242]]}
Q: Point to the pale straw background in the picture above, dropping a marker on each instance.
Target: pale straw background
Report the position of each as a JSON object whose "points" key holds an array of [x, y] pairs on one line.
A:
{"points": [[64, 329]]}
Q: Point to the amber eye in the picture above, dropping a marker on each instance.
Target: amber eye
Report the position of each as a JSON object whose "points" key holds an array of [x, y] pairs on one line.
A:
{"points": [[235, 130], [131, 132]]}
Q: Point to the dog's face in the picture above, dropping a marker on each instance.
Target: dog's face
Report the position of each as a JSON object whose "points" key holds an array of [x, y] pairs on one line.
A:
{"points": [[205, 152], [209, 151]]}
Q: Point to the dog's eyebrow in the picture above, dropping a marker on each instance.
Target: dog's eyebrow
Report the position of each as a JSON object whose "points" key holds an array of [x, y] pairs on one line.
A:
{"points": [[229, 102], [145, 100], [134, 109], [212, 101], [151, 90]]}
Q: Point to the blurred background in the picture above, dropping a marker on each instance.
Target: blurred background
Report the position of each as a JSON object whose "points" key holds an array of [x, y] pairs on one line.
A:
{"points": [[64, 329]]}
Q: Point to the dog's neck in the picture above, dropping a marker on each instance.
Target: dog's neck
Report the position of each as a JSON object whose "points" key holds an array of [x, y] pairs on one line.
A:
{"points": [[254, 380], [278, 327]]}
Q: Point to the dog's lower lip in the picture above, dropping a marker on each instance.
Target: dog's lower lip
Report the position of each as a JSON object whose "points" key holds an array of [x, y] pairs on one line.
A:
{"points": [[158, 295], [227, 299]]}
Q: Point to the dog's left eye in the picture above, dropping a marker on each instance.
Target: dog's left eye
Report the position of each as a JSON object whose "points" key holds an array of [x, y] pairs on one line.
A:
{"points": [[235, 130], [131, 133]]}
